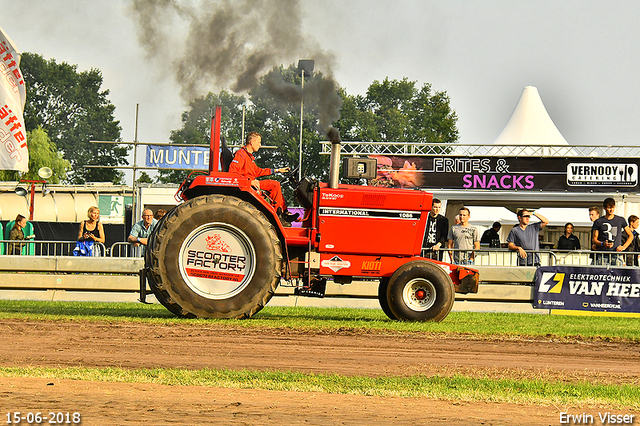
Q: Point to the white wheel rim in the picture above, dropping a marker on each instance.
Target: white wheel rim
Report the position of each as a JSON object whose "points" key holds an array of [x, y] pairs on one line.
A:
{"points": [[217, 260], [411, 294]]}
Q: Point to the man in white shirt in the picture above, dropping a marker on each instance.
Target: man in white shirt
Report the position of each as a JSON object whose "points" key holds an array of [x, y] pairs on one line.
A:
{"points": [[463, 236]]}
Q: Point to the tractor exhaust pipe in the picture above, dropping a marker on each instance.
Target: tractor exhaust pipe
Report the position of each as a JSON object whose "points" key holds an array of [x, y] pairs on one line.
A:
{"points": [[334, 167]]}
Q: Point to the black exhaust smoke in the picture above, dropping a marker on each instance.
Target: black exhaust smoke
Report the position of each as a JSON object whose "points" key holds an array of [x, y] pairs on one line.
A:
{"points": [[234, 43]]}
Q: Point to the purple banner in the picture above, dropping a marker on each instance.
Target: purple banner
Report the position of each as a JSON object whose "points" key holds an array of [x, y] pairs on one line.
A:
{"points": [[508, 173]]}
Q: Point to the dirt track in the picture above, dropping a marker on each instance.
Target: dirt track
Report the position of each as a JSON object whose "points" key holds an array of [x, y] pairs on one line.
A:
{"points": [[343, 352]]}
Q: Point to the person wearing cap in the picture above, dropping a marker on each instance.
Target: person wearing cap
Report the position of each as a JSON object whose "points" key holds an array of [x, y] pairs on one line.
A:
{"points": [[523, 237]]}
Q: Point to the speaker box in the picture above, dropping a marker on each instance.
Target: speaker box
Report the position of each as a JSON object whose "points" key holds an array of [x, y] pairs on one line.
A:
{"points": [[359, 168]]}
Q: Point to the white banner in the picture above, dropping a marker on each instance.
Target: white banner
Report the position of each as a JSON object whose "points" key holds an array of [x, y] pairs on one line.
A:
{"points": [[14, 154]]}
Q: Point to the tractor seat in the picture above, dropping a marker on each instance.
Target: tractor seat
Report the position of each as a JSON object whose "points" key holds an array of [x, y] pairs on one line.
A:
{"points": [[227, 155]]}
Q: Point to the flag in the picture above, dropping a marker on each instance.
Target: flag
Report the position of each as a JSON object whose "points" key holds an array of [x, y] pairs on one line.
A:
{"points": [[14, 154]]}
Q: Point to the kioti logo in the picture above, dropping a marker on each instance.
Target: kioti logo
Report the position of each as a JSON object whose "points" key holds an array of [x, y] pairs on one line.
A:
{"points": [[371, 266], [215, 243]]}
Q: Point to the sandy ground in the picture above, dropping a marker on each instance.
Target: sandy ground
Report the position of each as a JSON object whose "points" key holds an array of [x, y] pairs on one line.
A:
{"points": [[345, 352]]}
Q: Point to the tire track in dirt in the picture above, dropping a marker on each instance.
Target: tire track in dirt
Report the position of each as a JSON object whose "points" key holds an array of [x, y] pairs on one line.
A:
{"points": [[137, 345]]}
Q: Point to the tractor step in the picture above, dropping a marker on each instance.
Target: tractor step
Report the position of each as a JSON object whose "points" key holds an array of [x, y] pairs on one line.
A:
{"points": [[317, 288]]}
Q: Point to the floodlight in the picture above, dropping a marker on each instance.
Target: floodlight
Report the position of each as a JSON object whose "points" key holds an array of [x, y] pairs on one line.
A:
{"points": [[20, 191], [45, 172], [305, 66]]}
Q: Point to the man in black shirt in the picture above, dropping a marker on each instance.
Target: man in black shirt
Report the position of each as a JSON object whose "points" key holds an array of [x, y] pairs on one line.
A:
{"points": [[435, 236], [607, 234], [492, 236], [568, 241]]}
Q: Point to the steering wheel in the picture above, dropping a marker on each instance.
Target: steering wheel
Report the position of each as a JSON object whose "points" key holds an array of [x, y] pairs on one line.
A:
{"points": [[292, 177]]}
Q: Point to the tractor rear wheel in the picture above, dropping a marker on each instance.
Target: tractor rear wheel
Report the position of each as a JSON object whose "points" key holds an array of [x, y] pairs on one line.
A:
{"points": [[214, 257], [420, 291]]}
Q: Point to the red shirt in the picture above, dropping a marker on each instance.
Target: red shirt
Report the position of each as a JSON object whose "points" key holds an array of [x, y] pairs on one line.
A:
{"points": [[244, 163]]}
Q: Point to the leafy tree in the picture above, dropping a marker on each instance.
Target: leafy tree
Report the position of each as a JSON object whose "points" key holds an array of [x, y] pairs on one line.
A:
{"points": [[269, 112], [42, 153], [276, 116], [196, 126], [73, 110], [396, 111], [144, 178]]}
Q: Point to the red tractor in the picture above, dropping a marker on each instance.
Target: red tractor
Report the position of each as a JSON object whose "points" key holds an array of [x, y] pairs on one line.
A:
{"points": [[223, 251]]}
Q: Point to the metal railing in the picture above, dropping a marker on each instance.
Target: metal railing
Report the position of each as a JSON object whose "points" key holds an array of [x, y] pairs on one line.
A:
{"points": [[443, 149], [506, 257], [48, 248], [65, 248], [482, 256], [124, 249]]}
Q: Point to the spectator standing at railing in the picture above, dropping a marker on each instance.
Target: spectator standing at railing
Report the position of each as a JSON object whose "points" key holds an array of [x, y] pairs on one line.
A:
{"points": [[141, 231], [91, 230], [17, 233], [607, 234], [524, 237], [634, 246], [491, 236], [435, 236], [463, 236], [568, 241]]}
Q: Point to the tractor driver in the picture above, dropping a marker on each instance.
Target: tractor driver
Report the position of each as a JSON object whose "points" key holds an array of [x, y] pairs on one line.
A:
{"points": [[244, 164]]}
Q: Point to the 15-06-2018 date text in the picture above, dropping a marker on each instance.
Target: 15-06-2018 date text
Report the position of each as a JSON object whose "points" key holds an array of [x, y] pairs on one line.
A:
{"points": [[51, 418]]}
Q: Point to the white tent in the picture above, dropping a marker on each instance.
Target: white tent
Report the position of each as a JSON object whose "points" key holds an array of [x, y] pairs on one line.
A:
{"points": [[529, 126], [484, 216]]}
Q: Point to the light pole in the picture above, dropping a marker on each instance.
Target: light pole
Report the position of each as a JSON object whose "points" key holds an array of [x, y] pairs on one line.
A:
{"points": [[45, 173], [305, 66]]}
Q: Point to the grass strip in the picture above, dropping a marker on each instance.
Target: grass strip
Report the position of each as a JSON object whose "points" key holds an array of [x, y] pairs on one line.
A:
{"points": [[448, 388], [361, 320]]}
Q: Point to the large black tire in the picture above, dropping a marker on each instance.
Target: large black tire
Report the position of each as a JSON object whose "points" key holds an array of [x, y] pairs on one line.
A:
{"points": [[162, 296], [214, 257], [420, 291], [382, 298]]}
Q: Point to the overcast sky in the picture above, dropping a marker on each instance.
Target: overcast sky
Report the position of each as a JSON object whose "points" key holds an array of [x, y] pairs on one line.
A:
{"points": [[581, 55]]}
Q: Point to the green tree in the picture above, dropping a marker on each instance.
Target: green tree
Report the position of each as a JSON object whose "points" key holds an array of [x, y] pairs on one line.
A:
{"points": [[391, 111], [196, 126], [276, 116], [42, 153], [73, 109], [397, 111], [144, 178], [273, 110]]}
